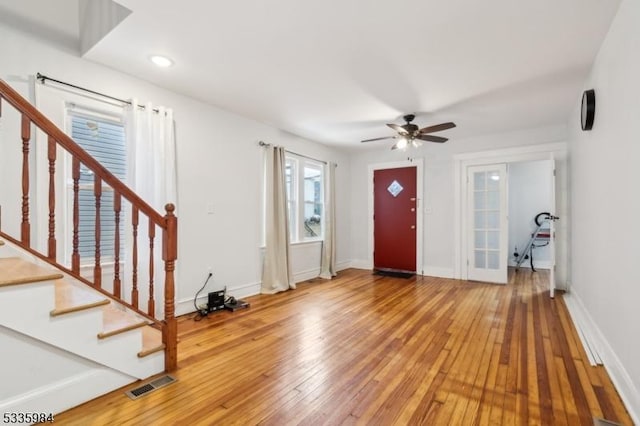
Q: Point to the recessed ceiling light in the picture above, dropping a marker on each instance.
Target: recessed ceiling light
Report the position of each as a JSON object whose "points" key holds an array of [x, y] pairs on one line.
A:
{"points": [[161, 61]]}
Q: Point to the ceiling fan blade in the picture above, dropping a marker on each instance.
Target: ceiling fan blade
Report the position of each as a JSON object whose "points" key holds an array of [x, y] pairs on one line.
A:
{"points": [[432, 138], [378, 139], [437, 128], [398, 129]]}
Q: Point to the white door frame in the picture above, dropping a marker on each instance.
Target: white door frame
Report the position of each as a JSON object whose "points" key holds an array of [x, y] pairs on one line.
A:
{"points": [[460, 163], [418, 164], [552, 226]]}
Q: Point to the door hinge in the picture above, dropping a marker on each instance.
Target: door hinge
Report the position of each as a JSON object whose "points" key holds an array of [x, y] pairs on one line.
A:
{"points": [[554, 172]]}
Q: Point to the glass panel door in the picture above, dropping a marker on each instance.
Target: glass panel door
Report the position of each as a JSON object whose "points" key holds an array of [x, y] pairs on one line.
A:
{"points": [[487, 223]]}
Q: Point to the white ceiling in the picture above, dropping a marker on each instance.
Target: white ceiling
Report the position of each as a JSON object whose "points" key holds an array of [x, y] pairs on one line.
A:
{"points": [[337, 70]]}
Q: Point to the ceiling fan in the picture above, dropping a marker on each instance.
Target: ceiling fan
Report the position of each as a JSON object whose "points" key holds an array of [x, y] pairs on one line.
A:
{"points": [[411, 134]]}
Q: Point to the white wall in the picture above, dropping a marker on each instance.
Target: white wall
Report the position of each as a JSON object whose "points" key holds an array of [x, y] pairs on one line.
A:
{"points": [[529, 194], [606, 206], [439, 193], [219, 163]]}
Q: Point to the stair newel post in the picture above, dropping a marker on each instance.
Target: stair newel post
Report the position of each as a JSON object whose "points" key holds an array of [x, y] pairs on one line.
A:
{"points": [[152, 303], [97, 269], [117, 208], [51, 154], [75, 254], [169, 255], [25, 228], [134, 257]]}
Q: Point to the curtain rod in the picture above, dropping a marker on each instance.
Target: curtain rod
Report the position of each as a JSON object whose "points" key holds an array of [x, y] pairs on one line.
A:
{"points": [[262, 143], [44, 78]]}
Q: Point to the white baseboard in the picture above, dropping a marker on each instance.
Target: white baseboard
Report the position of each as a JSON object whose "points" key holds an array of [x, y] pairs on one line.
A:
{"points": [[434, 271], [341, 266], [427, 270], [309, 274], [361, 264], [597, 342], [584, 326], [71, 392]]}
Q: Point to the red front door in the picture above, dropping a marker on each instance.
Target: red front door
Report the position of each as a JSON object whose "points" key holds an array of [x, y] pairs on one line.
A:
{"points": [[394, 219]]}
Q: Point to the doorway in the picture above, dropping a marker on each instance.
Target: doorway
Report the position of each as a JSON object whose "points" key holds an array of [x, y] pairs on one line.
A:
{"points": [[462, 232]]}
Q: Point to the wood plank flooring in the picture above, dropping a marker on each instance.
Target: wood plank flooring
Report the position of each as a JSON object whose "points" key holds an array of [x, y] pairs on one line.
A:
{"points": [[366, 349]]}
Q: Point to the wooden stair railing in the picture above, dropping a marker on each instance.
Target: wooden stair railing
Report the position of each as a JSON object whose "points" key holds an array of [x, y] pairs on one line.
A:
{"points": [[103, 180]]}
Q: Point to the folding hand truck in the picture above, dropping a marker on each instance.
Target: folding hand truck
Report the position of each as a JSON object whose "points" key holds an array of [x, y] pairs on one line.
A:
{"points": [[542, 233]]}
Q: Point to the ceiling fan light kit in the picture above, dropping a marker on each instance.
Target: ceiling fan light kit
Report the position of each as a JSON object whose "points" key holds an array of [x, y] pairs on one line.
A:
{"points": [[410, 134]]}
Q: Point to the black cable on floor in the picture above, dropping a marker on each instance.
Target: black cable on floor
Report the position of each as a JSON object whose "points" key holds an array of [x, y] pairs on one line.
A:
{"points": [[200, 313]]}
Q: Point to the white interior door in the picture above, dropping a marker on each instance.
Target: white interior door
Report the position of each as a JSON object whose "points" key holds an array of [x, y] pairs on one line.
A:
{"points": [[487, 223], [552, 229]]}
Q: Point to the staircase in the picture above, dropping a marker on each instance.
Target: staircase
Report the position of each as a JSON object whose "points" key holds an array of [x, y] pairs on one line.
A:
{"points": [[67, 339]]}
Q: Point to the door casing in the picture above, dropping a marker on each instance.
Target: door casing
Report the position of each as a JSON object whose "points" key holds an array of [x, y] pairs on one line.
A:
{"points": [[460, 163]]}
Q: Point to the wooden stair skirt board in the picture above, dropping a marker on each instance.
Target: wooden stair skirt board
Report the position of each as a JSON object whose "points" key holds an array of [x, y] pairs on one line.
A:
{"points": [[85, 308]]}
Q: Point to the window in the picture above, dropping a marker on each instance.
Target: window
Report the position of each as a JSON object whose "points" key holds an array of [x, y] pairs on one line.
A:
{"points": [[104, 138], [305, 199]]}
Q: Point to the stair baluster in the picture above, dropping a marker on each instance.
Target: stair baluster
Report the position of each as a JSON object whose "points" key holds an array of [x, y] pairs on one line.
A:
{"points": [[75, 254], [134, 257], [152, 304], [51, 155], [97, 269], [117, 207], [25, 227]]}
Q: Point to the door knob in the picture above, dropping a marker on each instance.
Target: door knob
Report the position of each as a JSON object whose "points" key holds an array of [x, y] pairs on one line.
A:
{"points": [[413, 227]]}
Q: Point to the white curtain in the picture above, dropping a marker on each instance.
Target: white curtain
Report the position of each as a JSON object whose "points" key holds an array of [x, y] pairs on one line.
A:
{"points": [[328, 261], [276, 273], [151, 173], [151, 150]]}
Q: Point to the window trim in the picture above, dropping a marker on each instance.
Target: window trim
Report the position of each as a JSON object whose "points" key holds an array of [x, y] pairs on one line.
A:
{"points": [[296, 226]]}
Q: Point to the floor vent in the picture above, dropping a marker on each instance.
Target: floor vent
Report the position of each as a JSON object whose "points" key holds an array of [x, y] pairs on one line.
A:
{"points": [[151, 386]]}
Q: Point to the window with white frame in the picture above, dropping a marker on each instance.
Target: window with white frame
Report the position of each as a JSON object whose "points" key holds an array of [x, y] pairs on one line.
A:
{"points": [[103, 137], [305, 200]]}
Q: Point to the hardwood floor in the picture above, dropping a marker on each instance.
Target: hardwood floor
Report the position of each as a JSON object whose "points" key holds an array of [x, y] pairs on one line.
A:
{"points": [[366, 349]]}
